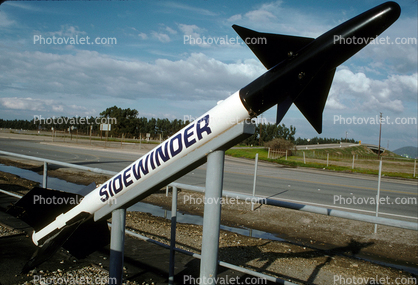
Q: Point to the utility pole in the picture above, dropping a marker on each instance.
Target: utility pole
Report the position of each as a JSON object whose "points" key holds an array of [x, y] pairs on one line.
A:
{"points": [[380, 135]]}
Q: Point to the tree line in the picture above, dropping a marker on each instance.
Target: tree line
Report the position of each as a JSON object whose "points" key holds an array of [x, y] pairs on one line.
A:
{"points": [[316, 140], [128, 124]]}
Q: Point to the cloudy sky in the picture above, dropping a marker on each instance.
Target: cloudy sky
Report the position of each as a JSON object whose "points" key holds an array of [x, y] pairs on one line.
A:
{"points": [[150, 56]]}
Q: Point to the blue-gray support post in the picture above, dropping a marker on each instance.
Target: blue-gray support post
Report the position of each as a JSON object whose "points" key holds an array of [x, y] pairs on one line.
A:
{"points": [[212, 216], [173, 235], [117, 240], [378, 194], [45, 177], [255, 180]]}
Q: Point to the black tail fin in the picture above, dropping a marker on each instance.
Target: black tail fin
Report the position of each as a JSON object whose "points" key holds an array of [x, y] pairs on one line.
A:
{"points": [[311, 101], [82, 236], [40, 206], [271, 49]]}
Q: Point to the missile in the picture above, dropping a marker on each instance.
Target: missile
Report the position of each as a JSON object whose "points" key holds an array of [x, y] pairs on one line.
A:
{"points": [[300, 70]]}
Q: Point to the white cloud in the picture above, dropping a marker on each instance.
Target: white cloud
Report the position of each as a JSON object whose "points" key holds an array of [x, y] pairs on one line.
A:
{"points": [[170, 30], [87, 74], [235, 18], [190, 30], [45, 106], [192, 9], [23, 103], [260, 16], [275, 17], [143, 36], [67, 31], [164, 38], [4, 20], [356, 91]]}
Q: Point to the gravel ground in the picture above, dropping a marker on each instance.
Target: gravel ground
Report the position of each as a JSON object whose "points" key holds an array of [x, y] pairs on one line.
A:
{"points": [[6, 231], [296, 263]]}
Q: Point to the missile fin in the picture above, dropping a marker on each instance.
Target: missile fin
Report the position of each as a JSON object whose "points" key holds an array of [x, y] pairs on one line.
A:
{"points": [[80, 236], [271, 49], [311, 101], [53, 243], [87, 238], [282, 109], [37, 208]]}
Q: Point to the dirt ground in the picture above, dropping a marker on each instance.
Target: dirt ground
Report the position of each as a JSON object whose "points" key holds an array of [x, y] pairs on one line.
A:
{"points": [[316, 248]]}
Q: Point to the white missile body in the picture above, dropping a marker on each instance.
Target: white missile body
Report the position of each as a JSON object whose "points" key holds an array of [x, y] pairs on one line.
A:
{"points": [[219, 119]]}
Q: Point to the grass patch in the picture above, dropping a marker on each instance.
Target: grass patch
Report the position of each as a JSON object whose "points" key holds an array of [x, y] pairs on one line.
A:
{"points": [[294, 161]]}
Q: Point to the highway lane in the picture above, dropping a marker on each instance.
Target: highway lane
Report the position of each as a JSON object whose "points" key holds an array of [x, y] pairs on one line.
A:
{"points": [[322, 188], [317, 188]]}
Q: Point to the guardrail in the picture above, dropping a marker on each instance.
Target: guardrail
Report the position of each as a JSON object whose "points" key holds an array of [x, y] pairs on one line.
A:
{"points": [[269, 201], [310, 209], [229, 194], [261, 200]]}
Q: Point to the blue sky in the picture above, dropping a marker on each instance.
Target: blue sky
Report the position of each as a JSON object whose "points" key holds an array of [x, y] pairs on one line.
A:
{"points": [[149, 67]]}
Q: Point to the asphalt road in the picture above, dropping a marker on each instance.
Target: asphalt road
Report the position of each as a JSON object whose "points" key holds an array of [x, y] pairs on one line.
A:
{"points": [[313, 187]]}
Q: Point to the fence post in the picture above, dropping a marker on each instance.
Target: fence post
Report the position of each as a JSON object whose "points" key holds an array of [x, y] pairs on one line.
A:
{"points": [[304, 159], [378, 194], [173, 235], [327, 159], [286, 154], [352, 167], [415, 167], [45, 177], [255, 180], [268, 154]]}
